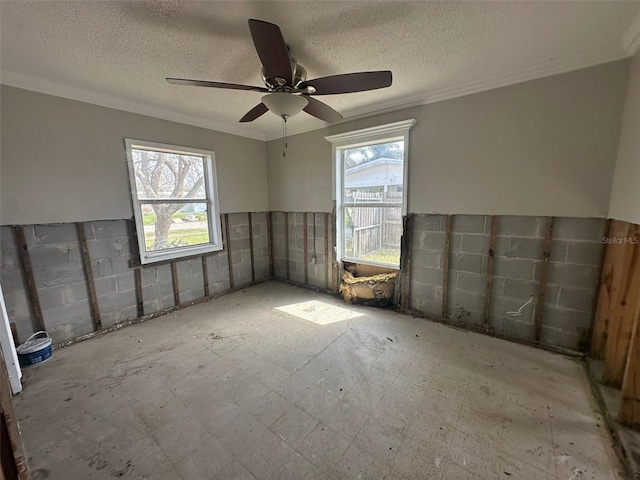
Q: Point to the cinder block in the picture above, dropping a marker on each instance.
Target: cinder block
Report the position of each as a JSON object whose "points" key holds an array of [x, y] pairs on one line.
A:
{"points": [[471, 282], [69, 331], [565, 318], [425, 258], [558, 250], [117, 301], [521, 289], [108, 247], [467, 262], [54, 255], [462, 303], [577, 298], [501, 246], [513, 327], [560, 338], [425, 292], [12, 282], [65, 314], [455, 242], [62, 274], [105, 285], [7, 239], [76, 292], [586, 253], [115, 317], [475, 244], [468, 224], [428, 223], [428, 240], [52, 234], [584, 276], [430, 275], [520, 247], [501, 305], [158, 304], [591, 229], [520, 226], [125, 282], [513, 268], [110, 229], [51, 297]]}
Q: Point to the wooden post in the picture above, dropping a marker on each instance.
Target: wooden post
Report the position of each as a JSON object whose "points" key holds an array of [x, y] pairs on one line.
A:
{"points": [[14, 460], [32, 291], [326, 251], [305, 229], [630, 398], [205, 275], [228, 239], [138, 281], [286, 241], [253, 267], [622, 319], [176, 285], [609, 285], [445, 275], [88, 274], [405, 262], [487, 293], [271, 246], [544, 273]]}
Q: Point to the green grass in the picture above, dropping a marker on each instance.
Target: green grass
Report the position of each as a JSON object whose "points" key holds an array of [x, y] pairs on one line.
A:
{"points": [[384, 256], [180, 238], [150, 218]]}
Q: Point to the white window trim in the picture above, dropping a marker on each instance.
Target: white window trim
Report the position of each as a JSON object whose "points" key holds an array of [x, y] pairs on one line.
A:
{"points": [[213, 209], [358, 138]]}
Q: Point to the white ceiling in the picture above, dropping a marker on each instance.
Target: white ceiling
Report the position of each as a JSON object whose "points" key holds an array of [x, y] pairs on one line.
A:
{"points": [[117, 54]]}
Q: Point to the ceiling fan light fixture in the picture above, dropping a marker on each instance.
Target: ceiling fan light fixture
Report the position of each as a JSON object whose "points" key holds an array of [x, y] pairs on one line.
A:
{"points": [[284, 105]]}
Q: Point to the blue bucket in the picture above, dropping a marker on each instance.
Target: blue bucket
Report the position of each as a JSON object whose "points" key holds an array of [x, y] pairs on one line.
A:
{"points": [[36, 349]]}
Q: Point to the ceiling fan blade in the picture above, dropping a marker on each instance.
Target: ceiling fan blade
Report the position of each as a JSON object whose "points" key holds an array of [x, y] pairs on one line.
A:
{"points": [[271, 49], [204, 83], [254, 113], [321, 110], [349, 83]]}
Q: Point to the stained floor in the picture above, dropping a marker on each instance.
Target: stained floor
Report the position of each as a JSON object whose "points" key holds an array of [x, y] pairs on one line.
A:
{"points": [[237, 389]]}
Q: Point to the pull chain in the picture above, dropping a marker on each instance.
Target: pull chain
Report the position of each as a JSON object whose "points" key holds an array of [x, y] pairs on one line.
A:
{"points": [[284, 136]]}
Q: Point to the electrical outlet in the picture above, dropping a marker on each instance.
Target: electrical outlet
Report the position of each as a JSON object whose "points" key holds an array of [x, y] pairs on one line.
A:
{"points": [[314, 259]]}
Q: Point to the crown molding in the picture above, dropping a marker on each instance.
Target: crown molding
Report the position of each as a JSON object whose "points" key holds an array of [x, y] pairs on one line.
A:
{"points": [[18, 80], [576, 62], [631, 38]]}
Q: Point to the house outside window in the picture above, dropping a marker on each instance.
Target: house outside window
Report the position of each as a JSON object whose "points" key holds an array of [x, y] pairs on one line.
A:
{"points": [[174, 192], [370, 179]]}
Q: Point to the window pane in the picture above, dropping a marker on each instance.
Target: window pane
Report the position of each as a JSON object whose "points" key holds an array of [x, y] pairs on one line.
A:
{"points": [[374, 173], [373, 233], [171, 225], [168, 175]]}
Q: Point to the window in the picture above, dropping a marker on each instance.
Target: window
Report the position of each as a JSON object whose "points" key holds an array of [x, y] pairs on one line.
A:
{"points": [[175, 200], [370, 179]]}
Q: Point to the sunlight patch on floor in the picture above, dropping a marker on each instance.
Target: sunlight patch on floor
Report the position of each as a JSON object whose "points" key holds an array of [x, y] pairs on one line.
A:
{"points": [[319, 312]]}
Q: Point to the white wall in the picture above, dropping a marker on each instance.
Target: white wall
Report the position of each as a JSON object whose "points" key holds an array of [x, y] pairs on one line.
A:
{"points": [[64, 161], [625, 194], [544, 147]]}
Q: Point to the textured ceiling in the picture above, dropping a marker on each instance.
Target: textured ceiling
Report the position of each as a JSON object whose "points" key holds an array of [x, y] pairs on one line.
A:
{"points": [[118, 53]]}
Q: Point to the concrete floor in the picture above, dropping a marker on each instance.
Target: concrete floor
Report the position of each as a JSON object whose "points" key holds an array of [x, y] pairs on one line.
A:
{"points": [[234, 389]]}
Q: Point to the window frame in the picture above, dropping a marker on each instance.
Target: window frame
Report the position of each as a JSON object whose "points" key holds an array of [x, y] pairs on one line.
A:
{"points": [[211, 194], [391, 132]]}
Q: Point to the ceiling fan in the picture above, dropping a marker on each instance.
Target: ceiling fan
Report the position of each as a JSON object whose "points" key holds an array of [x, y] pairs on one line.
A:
{"points": [[286, 86]]}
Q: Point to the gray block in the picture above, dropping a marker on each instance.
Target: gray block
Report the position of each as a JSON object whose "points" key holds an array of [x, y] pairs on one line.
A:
{"points": [[110, 229], [513, 327], [428, 240], [125, 282], [468, 224], [54, 255], [116, 317], [584, 276], [429, 223], [52, 234], [513, 268], [69, 331], [461, 303], [591, 229], [586, 253], [559, 250], [425, 258], [576, 298], [501, 305], [467, 262], [425, 292], [117, 301], [520, 226], [470, 282], [64, 314], [62, 274], [430, 275], [520, 247], [565, 318], [521, 289], [475, 244]]}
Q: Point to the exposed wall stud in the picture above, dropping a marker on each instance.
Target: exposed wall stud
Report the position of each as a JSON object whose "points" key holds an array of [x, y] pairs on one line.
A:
{"points": [[405, 261], [622, 319], [487, 294], [176, 285], [286, 242], [88, 274], [271, 246], [445, 271], [205, 275], [138, 281], [253, 266], [609, 283], [630, 398], [326, 251], [32, 291], [305, 241], [544, 273], [228, 239]]}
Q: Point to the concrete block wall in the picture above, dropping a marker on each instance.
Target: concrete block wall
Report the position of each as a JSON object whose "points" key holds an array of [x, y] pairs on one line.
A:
{"points": [[58, 271], [575, 259], [318, 274]]}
